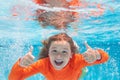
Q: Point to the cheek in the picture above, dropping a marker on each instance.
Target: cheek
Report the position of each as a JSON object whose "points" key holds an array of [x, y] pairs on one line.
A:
{"points": [[67, 57], [50, 56]]}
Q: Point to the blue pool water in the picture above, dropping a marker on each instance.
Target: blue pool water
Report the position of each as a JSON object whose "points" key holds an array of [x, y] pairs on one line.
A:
{"points": [[17, 34]]}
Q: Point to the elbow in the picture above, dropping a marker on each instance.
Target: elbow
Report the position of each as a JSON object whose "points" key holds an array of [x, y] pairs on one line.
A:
{"points": [[10, 77]]}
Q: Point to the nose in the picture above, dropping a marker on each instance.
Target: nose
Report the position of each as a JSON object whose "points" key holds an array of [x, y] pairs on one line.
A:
{"points": [[58, 55]]}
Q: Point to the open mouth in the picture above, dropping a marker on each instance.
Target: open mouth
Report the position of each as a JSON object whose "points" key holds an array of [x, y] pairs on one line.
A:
{"points": [[58, 62]]}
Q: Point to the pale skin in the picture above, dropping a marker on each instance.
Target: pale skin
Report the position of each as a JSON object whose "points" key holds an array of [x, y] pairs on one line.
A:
{"points": [[60, 54]]}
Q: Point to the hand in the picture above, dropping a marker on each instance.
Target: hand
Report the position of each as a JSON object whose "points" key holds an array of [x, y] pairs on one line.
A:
{"points": [[91, 55], [28, 59]]}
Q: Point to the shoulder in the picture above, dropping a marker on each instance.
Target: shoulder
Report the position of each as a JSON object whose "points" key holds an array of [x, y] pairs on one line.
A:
{"points": [[42, 63], [43, 60], [77, 60], [77, 57]]}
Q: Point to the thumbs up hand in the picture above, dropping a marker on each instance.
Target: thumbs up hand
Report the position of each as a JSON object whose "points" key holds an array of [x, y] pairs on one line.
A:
{"points": [[91, 55], [28, 59]]}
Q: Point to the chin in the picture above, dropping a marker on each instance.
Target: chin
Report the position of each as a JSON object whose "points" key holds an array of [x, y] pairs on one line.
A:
{"points": [[58, 67]]}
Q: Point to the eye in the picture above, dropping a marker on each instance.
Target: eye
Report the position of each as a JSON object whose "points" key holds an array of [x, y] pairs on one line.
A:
{"points": [[54, 51], [64, 52]]}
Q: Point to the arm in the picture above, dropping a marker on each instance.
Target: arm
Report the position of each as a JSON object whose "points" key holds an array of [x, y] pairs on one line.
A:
{"points": [[104, 58], [20, 73], [91, 56], [26, 67]]}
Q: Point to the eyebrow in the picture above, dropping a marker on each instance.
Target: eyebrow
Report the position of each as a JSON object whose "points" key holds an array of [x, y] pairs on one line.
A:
{"points": [[65, 48], [53, 47]]}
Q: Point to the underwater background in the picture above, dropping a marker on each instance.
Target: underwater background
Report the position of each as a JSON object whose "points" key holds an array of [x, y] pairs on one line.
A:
{"points": [[18, 32]]}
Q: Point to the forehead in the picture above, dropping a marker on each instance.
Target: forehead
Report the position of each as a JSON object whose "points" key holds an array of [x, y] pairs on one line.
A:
{"points": [[60, 43]]}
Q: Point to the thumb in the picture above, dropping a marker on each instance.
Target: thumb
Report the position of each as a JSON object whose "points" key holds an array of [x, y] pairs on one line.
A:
{"points": [[31, 49], [87, 46], [30, 52]]}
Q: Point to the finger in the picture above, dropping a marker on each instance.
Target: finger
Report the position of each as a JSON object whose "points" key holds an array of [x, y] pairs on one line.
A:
{"points": [[31, 49], [26, 60], [29, 61], [29, 55], [98, 56], [87, 46], [85, 56], [26, 64]]}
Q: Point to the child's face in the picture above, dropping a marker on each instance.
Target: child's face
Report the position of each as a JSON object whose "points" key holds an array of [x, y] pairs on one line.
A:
{"points": [[59, 54]]}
